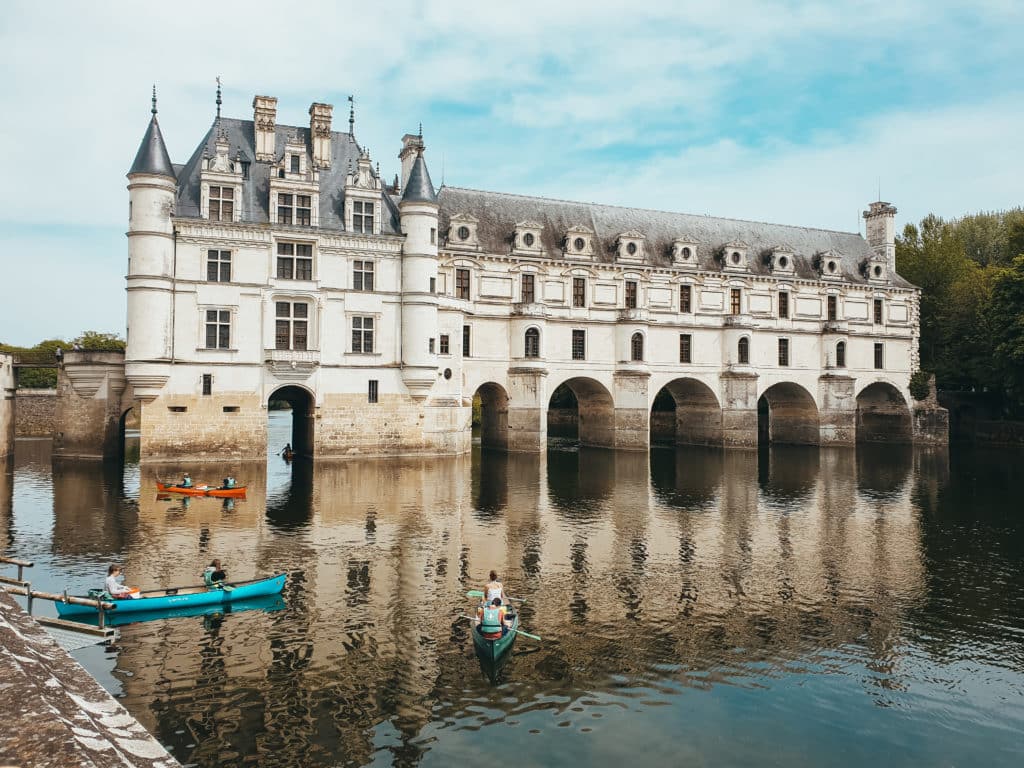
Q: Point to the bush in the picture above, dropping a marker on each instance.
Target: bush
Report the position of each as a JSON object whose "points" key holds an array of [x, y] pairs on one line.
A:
{"points": [[919, 385]]}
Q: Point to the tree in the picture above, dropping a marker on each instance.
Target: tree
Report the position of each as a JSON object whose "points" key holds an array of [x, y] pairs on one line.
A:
{"points": [[100, 342], [1006, 319]]}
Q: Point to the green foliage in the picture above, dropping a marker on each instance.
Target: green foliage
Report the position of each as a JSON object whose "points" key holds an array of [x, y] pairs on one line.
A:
{"points": [[1006, 323], [478, 411], [100, 342], [919, 388], [46, 352]]}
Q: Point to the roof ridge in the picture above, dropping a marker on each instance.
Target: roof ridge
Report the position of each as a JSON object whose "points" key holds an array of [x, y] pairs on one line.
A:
{"points": [[646, 210]]}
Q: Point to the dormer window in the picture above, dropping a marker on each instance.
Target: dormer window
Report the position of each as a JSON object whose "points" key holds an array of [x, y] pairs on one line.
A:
{"points": [[780, 259], [462, 231], [630, 246], [579, 243], [294, 209], [362, 217], [222, 203], [734, 256], [829, 265], [295, 164], [526, 240], [875, 270], [684, 253]]}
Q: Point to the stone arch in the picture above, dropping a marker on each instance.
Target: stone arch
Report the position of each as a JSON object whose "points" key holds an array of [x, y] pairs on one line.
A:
{"points": [[493, 400], [883, 415], [787, 413], [686, 412], [128, 416], [583, 408], [303, 403]]}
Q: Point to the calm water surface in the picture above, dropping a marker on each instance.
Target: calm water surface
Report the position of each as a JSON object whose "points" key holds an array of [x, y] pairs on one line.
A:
{"points": [[793, 608]]}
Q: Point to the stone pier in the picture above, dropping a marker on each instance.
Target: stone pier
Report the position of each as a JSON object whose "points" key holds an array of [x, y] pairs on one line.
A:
{"points": [[88, 414], [6, 405]]}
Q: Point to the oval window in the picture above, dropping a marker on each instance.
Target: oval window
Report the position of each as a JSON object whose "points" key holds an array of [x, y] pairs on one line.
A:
{"points": [[463, 233], [447, 373], [783, 262], [735, 257], [878, 271], [578, 243], [631, 249], [686, 253], [831, 266], [528, 239]]}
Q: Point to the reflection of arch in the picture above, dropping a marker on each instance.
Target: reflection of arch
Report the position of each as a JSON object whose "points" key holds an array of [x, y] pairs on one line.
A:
{"points": [[883, 415], [302, 403], [493, 415], [686, 412], [583, 408], [786, 413]]}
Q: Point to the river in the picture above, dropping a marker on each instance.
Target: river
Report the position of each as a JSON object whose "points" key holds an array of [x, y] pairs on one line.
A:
{"points": [[793, 607]]}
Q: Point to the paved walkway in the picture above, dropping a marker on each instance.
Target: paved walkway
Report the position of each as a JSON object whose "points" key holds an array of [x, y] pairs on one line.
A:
{"points": [[54, 713]]}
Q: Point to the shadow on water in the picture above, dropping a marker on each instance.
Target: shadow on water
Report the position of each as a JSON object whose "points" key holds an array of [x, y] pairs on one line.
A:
{"points": [[290, 507]]}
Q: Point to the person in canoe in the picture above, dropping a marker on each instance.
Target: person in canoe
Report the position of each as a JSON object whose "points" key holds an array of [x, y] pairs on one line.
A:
{"points": [[186, 481], [492, 619], [494, 589], [287, 451], [228, 483], [115, 589], [214, 573]]}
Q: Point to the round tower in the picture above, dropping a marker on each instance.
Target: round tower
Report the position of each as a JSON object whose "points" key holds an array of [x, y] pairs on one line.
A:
{"points": [[418, 211], [152, 187]]}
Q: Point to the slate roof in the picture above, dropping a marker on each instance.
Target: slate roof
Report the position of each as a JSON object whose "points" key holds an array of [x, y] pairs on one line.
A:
{"points": [[419, 188], [498, 213], [256, 189], [152, 156]]}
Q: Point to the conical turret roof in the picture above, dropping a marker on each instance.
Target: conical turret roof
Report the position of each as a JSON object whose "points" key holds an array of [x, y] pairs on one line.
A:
{"points": [[152, 156], [419, 189]]}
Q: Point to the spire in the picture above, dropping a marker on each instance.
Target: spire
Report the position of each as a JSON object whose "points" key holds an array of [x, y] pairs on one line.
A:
{"points": [[419, 188], [352, 115], [218, 98], [152, 157]]}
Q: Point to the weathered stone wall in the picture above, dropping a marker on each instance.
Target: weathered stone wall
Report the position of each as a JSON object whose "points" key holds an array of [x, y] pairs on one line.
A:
{"points": [[976, 417], [6, 405], [226, 425], [88, 413], [663, 427], [35, 412], [563, 422]]}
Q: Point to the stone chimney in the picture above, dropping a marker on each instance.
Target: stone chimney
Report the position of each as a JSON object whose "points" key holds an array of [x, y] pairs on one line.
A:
{"points": [[411, 147], [264, 119], [881, 231], [320, 133]]}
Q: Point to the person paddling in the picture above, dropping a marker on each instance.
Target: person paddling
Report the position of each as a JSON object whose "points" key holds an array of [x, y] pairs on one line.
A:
{"points": [[115, 589], [186, 481], [494, 589], [491, 619], [214, 573]]}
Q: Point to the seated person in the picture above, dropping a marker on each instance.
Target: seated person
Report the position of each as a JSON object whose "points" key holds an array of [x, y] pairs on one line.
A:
{"points": [[229, 482], [117, 590], [494, 589], [491, 619], [186, 481], [214, 573]]}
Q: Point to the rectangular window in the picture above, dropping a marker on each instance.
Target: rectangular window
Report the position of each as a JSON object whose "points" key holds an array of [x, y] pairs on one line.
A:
{"points": [[631, 294], [444, 344], [285, 206], [783, 304], [878, 311], [295, 163], [303, 210], [222, 203], [362, 217], [833, 308], [433, 236], [685, 348], [218, 329], [735, 301], [879, 356], [371, 394], [462, 284], [207, 383], [430, 346], [433, 285], [686, 298], [362, 275], [362, 335], [291, 326], [295, 261], [526, 291], [465, 341], [579, 292], [218, 266], [579, 345], [784, 352]]}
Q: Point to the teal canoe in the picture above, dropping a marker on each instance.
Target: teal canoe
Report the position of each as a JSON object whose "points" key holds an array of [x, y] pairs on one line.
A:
{"points": [[181, 597], [491, 651], [266, 603]]}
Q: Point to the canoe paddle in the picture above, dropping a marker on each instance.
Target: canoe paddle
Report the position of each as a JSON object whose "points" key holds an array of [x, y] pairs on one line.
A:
{"points": [[478, 593], [517, 631]]}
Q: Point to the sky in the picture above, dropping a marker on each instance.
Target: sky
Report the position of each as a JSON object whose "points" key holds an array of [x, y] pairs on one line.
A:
{"points": [[787, 112]]}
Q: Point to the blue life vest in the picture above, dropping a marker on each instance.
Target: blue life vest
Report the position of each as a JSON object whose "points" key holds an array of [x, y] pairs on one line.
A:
{"points": [[491, 622]]}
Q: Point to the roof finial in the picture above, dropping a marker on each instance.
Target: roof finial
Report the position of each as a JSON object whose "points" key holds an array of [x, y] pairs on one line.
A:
{"points": [[421, 130], [218, 98], [351, 114], [153, 110]]}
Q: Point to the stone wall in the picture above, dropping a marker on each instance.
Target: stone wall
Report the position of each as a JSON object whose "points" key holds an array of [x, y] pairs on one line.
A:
{"points": [[35, 411], [977, 417], [226, 425], [6, 405], [87, 417]]}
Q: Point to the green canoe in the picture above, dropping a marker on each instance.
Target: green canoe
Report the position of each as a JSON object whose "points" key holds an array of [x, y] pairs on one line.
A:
{"points": [[492, 651]]}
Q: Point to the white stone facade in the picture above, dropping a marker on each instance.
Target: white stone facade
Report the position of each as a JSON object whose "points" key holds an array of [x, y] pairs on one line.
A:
{"points": [[358, 311]]}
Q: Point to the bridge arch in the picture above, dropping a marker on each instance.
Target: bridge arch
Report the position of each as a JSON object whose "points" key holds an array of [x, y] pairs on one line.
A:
{"points": [[787, 413], [303, 404], [583, 408], [686, 412], [883, 415], [493, 415]]}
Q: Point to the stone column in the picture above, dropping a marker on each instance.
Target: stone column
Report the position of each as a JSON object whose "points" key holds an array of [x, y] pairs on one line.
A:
{"points": [[527, 409], [632, 409], [739, 409], [6, 406], [837, 416], [89, 388], [931, 420]]}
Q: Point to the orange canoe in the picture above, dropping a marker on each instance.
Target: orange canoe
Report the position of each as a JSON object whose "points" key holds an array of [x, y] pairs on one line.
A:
{"points": [[203, 490]]}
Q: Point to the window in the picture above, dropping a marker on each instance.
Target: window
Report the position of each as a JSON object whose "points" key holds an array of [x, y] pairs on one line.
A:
{"points": [[362, 217], [362, 335], [879, 356], [526, 294], [636, 347], [631, 293], [362, 275], [294, 209], [285, 203], [433, 285], [462, 284], [686, 298], [784, 352], [579, 345], [291, 329], [783, 304], [685, 348], [218, 266], [463, 233], [433, 236], [430, 346], [465, 341], [222, 203], [833, 308], [743, 351], [735, 296], [295, 261], [444, 344], [579, 292], [841, 354], [371, 395], [303, 210], [207, 383], [532, 345], [878, 311], [295, 163], [218, 329]]}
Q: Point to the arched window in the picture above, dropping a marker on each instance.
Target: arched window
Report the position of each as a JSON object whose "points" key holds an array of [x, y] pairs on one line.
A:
{"points": [[841, 354], [636, 347], [532, 342], [744, 351]]}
